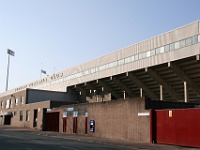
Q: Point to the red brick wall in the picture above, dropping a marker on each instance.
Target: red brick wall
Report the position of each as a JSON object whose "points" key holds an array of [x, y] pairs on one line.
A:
{"points": [[115, 119], [119, 120]]}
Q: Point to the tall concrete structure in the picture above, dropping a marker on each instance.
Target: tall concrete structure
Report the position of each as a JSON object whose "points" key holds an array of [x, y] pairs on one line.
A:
{"points": [[165, 67], [162, 67]]}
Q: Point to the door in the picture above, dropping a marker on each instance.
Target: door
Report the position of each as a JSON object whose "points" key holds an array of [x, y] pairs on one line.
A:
{"points": [[35, 116], [86, 124], [64, 124], [7, 119], [52, 121], [74, 124]]}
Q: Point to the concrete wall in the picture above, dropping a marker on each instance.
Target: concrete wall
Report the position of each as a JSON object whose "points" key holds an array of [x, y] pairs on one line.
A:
{"points": [[13, 98], [115, 119]]}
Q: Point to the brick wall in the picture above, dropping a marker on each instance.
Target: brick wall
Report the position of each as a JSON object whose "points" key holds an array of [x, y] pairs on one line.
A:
{"points": [[15, 119], [115, 119], [119, 120]]}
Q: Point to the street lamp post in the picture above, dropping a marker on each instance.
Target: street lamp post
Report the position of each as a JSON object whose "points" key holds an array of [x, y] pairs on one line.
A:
{"points": [[10, 53]]}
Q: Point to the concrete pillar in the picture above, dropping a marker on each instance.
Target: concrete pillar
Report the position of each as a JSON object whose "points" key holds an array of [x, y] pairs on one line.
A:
{"points": [[169, 64], [197, 57], [161, 92], [185, 92], [102, 96], [141, 94]]}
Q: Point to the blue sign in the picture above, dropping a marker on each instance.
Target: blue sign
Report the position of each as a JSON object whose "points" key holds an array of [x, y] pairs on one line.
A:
{"points": [[92, 125]]}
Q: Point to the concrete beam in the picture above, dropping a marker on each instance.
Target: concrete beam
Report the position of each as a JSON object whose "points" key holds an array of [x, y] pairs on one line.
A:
{"points": [[186, 78], [140, 84], [160, 81], [89, 86], [108, 88], [80, 89], [123, 86]]}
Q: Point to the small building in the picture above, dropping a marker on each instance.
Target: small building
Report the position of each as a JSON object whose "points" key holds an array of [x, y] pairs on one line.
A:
{"points": [[27, 108]]}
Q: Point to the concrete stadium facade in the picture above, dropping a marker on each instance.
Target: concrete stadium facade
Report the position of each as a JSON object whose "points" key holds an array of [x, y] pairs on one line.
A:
{"points": [[165, 67], [172, 46]]}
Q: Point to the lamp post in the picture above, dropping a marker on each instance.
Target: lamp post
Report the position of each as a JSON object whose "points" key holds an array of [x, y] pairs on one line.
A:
{"points": [[10, 53]]}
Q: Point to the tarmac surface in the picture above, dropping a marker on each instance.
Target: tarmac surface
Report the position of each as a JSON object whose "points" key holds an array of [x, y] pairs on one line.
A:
{"points": [[82, 138]]}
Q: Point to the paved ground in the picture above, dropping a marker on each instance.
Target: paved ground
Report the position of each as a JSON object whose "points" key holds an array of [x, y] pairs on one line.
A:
{"points": [[95, 140]]}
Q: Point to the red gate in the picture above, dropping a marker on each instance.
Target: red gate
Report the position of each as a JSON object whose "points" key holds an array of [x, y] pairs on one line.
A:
{"points": [[75, 125], [52, 121], [177, 126], [86, 122], [64, 124]]}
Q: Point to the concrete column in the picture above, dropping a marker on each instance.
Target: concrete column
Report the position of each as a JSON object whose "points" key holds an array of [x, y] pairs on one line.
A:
{"points": [[124, 94], [197, 57], [102, 95], [169, 64], [161, 92], [141, 94], [185, 92]]}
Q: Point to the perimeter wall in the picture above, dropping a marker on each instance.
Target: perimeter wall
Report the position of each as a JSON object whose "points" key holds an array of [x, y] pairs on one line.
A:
{"points": [[120, 119]]}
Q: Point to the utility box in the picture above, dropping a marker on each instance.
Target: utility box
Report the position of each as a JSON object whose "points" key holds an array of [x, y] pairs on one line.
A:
{"points": [[92, 125]]}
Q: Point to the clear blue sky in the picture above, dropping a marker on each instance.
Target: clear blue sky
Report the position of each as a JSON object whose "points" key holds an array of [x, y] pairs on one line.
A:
{"points": [[61, 34]]}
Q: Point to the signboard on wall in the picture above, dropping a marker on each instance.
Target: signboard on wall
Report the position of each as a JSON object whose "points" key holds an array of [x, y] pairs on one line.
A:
{"points": [[170, 113], [65, 114]]}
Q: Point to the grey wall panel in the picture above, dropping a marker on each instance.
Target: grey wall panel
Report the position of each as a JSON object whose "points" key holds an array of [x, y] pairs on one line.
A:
{"points": [[40, 95]]}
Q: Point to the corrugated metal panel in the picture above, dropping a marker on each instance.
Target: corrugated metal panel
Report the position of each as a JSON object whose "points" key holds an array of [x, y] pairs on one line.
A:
{"points": [[193, 134], [178, 127]]}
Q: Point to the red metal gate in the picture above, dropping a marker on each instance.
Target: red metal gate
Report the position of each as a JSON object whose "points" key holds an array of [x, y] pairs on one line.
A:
{"points": [[75, 125], [177, 127], [86, 122], [52, 121], [64, 124]]}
